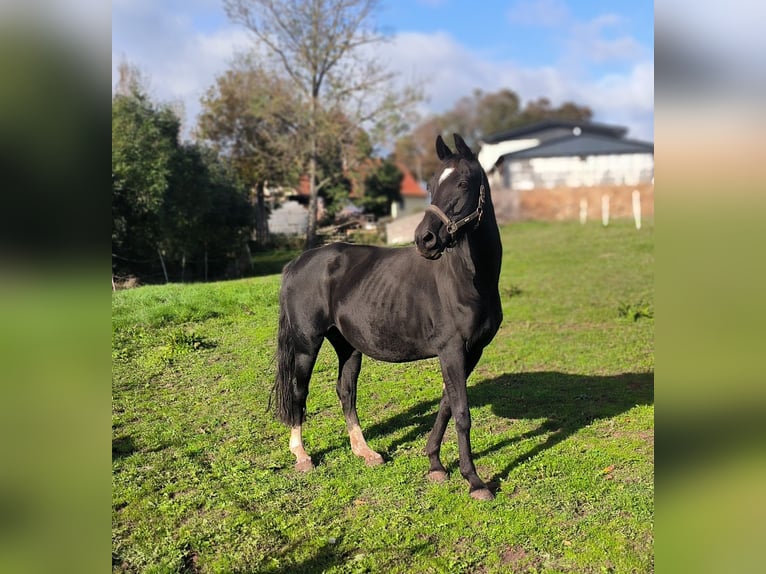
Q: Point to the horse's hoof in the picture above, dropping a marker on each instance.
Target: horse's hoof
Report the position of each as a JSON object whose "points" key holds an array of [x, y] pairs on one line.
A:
{"points": [[437, 476], [304, 465], [376, 460], [482, 494]]}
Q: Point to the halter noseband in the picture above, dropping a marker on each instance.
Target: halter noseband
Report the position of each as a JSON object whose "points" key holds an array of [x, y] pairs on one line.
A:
{"points": [[454, 226]]}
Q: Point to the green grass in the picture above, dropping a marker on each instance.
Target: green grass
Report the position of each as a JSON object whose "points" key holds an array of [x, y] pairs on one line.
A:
{"points": [[562, 405]]}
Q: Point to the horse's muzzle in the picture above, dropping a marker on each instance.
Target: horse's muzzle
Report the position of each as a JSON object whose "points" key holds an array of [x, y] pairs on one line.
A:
{"points": [[428, 244]]}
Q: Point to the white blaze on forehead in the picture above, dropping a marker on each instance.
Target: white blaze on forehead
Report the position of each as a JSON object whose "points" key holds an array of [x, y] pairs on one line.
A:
{"points": [[445, 174]]}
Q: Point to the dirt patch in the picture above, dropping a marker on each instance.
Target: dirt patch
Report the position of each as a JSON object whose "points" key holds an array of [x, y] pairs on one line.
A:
{"points": [[517, 559], [513, 555]]}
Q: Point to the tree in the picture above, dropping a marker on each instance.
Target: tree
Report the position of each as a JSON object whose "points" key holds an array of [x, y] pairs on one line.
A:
{"points": [[320, 46], [144, 143], [541, 109], [382, 187], [172, 204], [252, 118], [475, 117], [205, 213], [498, 112], [226, 221], [343, 162], [415, 150]]}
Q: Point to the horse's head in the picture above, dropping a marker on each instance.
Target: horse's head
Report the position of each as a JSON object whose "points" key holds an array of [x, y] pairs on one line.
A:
{"points": [[457, 199]]}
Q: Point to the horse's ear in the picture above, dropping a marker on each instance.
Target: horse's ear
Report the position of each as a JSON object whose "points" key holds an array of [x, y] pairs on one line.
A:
{"points": [[462, 147], [442, 150]]}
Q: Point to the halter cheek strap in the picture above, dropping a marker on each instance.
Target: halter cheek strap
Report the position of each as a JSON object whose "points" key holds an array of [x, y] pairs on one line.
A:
{"points": [[454, 226]]}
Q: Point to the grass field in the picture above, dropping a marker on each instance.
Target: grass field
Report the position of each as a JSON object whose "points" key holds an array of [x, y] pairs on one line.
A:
{"points": [[562, 405]]}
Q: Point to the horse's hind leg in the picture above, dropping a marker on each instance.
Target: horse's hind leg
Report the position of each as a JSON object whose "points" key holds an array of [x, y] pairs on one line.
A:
{"points": [[349, 365], [304, 364]]}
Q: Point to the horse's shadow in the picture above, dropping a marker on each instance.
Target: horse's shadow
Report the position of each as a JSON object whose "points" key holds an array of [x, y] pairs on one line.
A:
{"points": [[565, 402]]}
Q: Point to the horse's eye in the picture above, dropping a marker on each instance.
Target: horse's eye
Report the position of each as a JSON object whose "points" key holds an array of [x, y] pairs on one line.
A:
{"points": [[462, 186]]}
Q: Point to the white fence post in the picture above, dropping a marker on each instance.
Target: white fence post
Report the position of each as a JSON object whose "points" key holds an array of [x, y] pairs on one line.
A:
{"points": [[583, 210], [605, 210], [637, 208]]}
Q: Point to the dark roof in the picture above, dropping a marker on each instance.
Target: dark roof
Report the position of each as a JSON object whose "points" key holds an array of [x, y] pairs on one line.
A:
{"points": [[582, 145], [545, 125]]}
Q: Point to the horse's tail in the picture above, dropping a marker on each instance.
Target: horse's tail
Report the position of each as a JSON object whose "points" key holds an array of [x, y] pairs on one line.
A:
{"points": [[284, 404]]}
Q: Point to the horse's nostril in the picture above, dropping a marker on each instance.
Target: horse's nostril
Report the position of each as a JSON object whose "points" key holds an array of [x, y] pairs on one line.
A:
{"points": [[429, 239]]}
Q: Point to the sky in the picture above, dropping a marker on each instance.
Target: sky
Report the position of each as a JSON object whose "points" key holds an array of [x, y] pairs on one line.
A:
{"points": [[595, 53]]}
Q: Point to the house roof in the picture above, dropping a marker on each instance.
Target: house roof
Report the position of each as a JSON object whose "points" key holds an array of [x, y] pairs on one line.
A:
{"points": [[409, 186], [532, 130], [582, 145]]}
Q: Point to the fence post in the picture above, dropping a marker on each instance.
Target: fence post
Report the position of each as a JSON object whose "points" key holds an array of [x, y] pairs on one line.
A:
{"points": [[637, 208], [605, 210], [162, 261], [583, 210]]}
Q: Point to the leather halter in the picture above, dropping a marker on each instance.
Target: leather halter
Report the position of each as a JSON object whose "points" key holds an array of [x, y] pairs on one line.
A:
{"points": [[454, 226]]}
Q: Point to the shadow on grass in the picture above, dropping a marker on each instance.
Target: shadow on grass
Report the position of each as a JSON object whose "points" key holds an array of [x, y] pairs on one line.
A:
{"points": [[328, 556], [122, 446], [566, 402]]}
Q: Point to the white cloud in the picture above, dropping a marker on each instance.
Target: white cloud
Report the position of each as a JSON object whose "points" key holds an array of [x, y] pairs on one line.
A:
{"points": [[626, 99], [182, 64], [450, 71], [546, 13], [445, 69], [600, 40]]}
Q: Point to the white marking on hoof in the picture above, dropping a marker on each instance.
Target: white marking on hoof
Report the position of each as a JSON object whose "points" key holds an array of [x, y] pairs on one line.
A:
{"points": [[482, 494], [437, 476], [304, 465], [302, 459], [373, 459]]}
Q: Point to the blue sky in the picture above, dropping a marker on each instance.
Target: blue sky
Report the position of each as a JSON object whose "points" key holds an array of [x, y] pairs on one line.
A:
{"points": [[596, 53]]}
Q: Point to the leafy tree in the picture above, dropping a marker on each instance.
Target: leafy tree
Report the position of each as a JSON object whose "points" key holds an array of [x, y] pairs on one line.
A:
{"points": [[541, 109], [171, 203], [144, 144], [382, 187], [497, 112], [474, 117], [336, 196], [206, 214], [252, 118], [342, 162], [416, 150], [226, 222], [322, 46]]}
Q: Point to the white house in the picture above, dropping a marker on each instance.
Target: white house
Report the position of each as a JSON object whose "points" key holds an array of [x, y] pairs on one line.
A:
{"points": [[548, 169]]}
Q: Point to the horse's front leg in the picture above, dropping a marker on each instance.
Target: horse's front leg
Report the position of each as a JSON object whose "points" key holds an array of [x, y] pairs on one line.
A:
{"points": [[436, 470], [454, 368]]}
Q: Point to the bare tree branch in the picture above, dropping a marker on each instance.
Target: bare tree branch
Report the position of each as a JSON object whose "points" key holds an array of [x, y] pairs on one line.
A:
{"points": [[319, 44]]}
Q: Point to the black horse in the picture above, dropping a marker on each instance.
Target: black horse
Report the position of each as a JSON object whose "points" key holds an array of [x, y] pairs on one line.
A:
{"points": [[437, 299]]}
